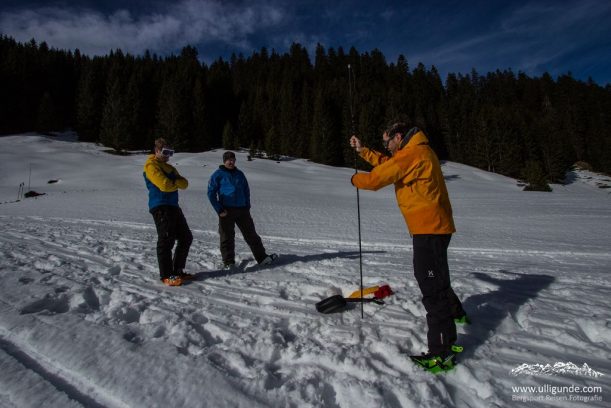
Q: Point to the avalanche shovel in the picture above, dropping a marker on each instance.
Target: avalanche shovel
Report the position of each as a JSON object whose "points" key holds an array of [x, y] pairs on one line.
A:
{"points": [[338, 303]]}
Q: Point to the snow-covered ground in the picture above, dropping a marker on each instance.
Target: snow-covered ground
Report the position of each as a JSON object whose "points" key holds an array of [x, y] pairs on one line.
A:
{"points": [[84, 320]]}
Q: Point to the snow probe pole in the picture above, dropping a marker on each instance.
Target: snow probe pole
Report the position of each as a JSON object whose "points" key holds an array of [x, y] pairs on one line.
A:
{"points": [[358, 200]]}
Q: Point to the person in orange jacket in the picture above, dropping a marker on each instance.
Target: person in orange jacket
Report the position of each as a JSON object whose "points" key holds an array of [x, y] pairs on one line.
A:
{"points": [[422, 196], [163, 182]]}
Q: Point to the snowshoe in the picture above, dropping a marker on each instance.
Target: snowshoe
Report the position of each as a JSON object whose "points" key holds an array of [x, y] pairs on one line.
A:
{"points": [[462, 320], [438, 364], [434, 364], [172, 281]]}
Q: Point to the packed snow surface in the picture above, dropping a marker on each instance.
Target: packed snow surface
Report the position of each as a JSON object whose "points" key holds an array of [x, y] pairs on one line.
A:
{"points": [[84, 320]]}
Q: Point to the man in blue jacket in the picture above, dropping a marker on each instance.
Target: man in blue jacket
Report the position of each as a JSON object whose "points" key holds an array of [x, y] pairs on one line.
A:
{"points": [[229, 194], [163, 182]]}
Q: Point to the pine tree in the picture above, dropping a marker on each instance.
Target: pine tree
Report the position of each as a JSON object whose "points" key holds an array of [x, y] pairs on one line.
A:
{"points": [[173, 113], [495, 121], [203, 139], [535, 177], [272, 144], [326, 134], [115, 125], [304, 130], [552, 142], [135, 121], [288, 117], [219, 100], [90, 101], [47, 117], [246, 127], [229, 139]]}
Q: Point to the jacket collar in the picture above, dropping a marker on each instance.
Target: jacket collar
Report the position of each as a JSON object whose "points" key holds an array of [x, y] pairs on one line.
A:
{"points": [[414, 137], [222, 167]]}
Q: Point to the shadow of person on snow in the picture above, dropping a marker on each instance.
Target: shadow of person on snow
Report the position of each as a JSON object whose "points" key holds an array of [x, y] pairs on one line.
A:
{"points": [[282, 261], [488, 310]]}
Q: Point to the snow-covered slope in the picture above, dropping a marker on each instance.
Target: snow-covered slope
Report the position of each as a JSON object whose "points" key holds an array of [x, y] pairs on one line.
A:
{"points": [[84, 320]]}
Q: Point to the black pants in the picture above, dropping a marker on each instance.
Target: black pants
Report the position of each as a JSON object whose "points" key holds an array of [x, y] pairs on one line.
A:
{"points": [[240, 217], [441, 303], [172, 227]]}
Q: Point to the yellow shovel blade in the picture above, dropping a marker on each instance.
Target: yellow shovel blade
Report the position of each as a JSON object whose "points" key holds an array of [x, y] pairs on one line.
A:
{"points": [[366, 291]]}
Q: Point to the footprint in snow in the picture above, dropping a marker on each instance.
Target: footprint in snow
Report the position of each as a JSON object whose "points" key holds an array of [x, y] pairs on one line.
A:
{"points": [[114, 270], [133, 337], [50, 304]]}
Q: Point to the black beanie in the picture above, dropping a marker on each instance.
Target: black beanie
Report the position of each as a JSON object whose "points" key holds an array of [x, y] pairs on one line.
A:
{"points": [[228, 155]]}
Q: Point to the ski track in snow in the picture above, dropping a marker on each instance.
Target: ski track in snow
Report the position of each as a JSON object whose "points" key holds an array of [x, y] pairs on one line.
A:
{"points": [[104, 273]]}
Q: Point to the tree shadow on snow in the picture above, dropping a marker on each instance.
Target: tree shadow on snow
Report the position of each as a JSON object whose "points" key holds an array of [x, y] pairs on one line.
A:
{"points": [[488, 310], [451, 177], [284, 259]]}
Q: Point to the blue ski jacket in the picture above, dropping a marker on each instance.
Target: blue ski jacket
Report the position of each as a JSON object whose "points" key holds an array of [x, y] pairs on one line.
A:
{"points": [[228, 189]]}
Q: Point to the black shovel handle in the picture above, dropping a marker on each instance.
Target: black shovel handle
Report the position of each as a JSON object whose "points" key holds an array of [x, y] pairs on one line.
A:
{"points": [[338, 302], [365, 300]]}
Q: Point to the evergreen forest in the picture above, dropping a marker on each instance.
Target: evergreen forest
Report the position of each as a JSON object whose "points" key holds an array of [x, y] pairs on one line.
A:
{"points": [[294, 104]]}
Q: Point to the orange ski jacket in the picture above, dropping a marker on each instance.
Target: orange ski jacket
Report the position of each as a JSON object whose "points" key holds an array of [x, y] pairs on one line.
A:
{"points": [[419, 185]]}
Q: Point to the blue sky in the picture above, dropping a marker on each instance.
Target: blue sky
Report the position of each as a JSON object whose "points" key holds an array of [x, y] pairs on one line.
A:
{"points": [[555, 36]]}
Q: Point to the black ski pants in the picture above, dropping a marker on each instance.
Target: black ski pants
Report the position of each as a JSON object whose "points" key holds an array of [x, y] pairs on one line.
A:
{"points": [[240, 217], [172, 228], [441, 303]]}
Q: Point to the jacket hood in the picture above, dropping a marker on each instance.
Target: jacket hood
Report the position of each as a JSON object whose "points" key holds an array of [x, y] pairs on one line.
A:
{"points": [[414, 137], [152, 158]]}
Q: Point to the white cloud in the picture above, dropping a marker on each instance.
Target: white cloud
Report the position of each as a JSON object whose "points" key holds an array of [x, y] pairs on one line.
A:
{"points": [[183, 23]]}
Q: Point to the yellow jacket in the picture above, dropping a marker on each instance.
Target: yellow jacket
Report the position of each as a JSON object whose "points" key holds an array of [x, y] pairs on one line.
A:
{"points": [[419, 185], [163, 182]]}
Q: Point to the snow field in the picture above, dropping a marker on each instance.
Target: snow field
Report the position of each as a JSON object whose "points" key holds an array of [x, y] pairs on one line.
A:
{"points": [[84, 320]]}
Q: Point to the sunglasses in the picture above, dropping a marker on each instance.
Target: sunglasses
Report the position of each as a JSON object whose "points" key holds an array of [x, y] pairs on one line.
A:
{"points": [[386, 142], [167, 152]]}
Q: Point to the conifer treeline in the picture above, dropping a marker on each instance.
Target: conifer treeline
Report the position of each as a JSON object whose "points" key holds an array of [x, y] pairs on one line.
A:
{"points": [[288, 104]]}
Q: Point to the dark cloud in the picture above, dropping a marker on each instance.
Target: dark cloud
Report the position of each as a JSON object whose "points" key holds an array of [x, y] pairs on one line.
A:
{"points": [[535, 36]]}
